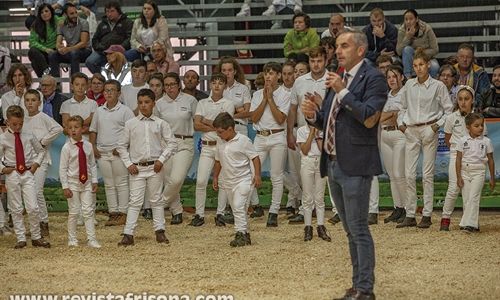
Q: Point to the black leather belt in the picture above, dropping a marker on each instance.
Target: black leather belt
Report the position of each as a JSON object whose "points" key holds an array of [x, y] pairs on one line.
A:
{"points": [[332, 157], [145, 164]]}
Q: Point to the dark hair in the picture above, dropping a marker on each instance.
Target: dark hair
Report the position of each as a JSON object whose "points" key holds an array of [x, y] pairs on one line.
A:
{"points": [[33, 92], [174, 76], [15, 111], [290, 63], [137, 63], [412, 11], [197, 75], [98, 76], [272, 65], [66, 6], [75, 118], [156, 16], [157, 76], [420, 53], [79, 75], [317, 51], [305, 64], [471, 92], [39, 26], [472, 117], [223, 120], [383, 58], [307, 19], [452, 69], [394, 69], [28, 80], [218, 76], [328, 40], [114, 4], [115, 82], [450, 60], [495, 67], [240, 74], [146, 93]]}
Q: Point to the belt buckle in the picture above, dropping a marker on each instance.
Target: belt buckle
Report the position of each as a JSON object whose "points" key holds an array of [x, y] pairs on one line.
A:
{"points": [[265, 132]]}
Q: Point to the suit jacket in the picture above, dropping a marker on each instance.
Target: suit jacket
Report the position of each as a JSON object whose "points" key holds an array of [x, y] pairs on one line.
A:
{"points": [[56, 106], [356, 130]]}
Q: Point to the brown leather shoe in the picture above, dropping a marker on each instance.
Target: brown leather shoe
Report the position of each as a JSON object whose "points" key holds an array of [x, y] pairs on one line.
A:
{"points": [[40, 243], [20, 245], [425, 222], [112, 219], [408, 222], [308, 233], [160, 236], [121, 219], [44, 229], [128, 240], [322, 233]]}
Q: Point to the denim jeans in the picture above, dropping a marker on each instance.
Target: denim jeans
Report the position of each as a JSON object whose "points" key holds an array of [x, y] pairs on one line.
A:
{"points": [[95, 62], [407, 56], [133, 54], [74, 58], [351, 196]]}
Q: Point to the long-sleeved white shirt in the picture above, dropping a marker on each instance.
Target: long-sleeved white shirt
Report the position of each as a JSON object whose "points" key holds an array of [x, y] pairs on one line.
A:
{"points": [[45, 130], [33, 150], [69, 167]]}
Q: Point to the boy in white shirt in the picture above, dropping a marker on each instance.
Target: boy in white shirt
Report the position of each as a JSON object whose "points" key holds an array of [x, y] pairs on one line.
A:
{"points": [[129, 91], [144, 146], [232, 159], [206, 111]]}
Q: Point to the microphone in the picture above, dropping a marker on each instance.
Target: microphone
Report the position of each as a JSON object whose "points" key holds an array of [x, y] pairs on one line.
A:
{"points": [[333, 66]]}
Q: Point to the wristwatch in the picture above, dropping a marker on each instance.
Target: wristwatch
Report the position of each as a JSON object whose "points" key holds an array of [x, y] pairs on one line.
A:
{"points": [[437, 126]]}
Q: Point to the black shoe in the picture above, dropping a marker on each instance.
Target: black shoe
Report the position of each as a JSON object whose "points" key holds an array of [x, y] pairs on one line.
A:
{"points": [[258, 211], [308, 233], [396, 214], [408, 222], [247, 238], [176, 219], [228, 212], [372, 219], [11, 224], [334, 220], [147, 213], [299, 219], [322, 233], [218, 221], [403, 216], [197, 221], [240, 239], [445, 224], [290, 210], [292, 216], [272, 220], [468, 229], [356, 295], [228, 219]]}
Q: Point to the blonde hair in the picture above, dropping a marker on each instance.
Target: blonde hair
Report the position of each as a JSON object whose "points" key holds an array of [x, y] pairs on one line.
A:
{"points": [[117, 66]]}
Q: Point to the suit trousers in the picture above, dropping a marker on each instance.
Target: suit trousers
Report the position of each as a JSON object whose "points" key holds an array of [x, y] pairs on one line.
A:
{"points": [[239, 198], [115, 176], [149, 180], [40, 175], [392, 146], [453, 189], [19, 188], [83, 199], [473, 176], [313, 193], [422, 137]]}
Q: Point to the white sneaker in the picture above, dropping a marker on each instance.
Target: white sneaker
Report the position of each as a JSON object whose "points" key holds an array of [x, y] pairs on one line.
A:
{"points": [[72, 243], [5, 231], [80, 221], [297, 9], [93, 244], [245, 11], [270, 11], [277, 25]]}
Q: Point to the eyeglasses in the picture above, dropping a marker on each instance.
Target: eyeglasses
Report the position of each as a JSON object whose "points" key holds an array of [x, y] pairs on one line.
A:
{"points": [[169, 86], [446, 76], [110, 91], [220, 132]]}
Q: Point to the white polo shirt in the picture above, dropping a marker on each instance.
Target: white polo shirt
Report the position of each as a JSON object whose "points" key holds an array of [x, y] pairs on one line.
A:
{"points": [[474, 150], [303, 85], [281, 98], [455, 125], [129, 95], [235, 157], [240, 95], [178, 113], [109, 125], [209, 109], [83, 109], [45, 130], [302, 135]]}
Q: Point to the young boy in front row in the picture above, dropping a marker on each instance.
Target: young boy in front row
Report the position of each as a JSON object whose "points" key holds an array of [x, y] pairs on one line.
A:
{"points": [[141, 150], [21, 156], [232, 160], [78, 175]]}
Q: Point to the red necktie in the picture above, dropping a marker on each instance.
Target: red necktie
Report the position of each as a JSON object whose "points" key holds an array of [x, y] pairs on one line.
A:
{"points": [[82, 163], [18, 145], [330, 145]]}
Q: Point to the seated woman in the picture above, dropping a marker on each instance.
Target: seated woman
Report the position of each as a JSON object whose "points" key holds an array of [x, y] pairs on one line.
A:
{"points": [[449, 76], [149, 27], [96, 90], [42, 40], [300, 39], [412, 34], [117, 67], [328, 43]]}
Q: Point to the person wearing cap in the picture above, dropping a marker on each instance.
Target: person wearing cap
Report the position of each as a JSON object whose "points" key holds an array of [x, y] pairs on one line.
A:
{"points": [[117, 67], [114, 29]]}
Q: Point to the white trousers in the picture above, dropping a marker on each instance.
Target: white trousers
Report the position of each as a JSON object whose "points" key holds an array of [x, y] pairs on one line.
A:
{"points": [[422, 137], [473, 176], [239, 198], [174, 172], [40, 175], [291, 178], [19, 188], [453, 189], [274, 146], [205, 167], [254, 197], [149, 180], [313, 193], [115, 176], [392, 147], [2, 215], [84, 200]]}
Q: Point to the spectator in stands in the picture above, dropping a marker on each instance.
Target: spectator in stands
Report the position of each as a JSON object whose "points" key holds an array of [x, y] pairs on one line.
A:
{"points": [[80, 4], [42, 39], [450, 60], [412, 34], [191, 81], [273, 9], [470, 73], [489, 100], [52, 99], [259, 81], [96, 91], [151, 69], [382, 37], [337, 23], [117, 67], [114, 29], [33, 7], [300, 39], [383, 62], [149, 27], [449, 76], [164, 64], [328, 43], [301, 68], [76, 33]]}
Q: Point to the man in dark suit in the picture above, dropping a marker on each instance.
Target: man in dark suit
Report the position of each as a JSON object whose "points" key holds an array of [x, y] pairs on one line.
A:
{"points": [[350, 157], [52, 99]]}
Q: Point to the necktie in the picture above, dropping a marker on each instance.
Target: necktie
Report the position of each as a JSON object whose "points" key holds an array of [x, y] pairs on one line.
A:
{"points": [[18, 145], [82, 163], [330, 145]]}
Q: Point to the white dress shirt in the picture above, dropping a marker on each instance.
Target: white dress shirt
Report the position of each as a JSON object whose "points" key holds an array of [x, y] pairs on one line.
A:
{"points": [[10, 98], [109, 125], [69, 166], [33, 150]]}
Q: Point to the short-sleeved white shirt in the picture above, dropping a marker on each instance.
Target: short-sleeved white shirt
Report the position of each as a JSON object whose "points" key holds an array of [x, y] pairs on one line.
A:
{"points": [[83, 109], [393, 101], [209, 109], [240, 95], [129, 95], [302, 135], [109, 125], [474, 150], [455, 125], [235, 157], [178, 113], [303, 85], [281, 98]]}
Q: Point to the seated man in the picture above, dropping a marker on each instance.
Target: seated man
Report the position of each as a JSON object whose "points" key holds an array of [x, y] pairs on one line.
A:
{"points": [[489, 100], [337, 23], [382, 36], [191, 81], [470, 73], [382, 62], [52, 99], [164, 64], [76, 33]]}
